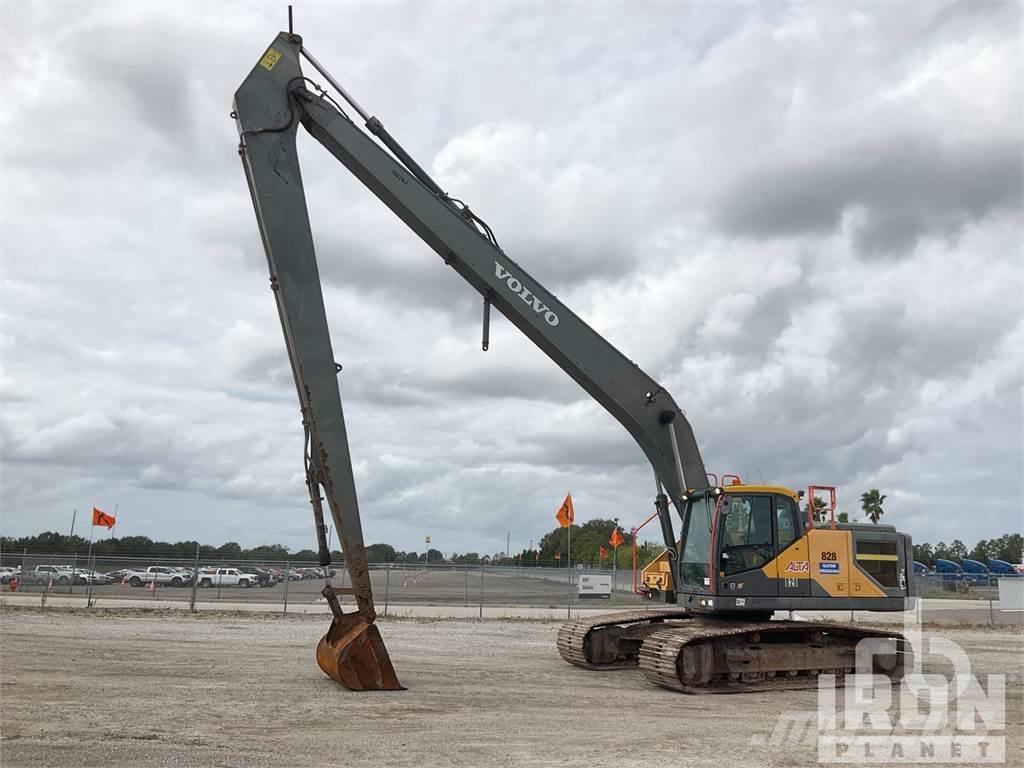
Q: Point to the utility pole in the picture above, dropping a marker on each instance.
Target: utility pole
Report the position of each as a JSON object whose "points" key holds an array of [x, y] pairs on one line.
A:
{"points": [[508, 539], [74, 514]]}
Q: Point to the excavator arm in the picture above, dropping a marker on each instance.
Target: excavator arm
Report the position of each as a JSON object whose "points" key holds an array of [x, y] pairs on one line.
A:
{"points": [[269, 106]]}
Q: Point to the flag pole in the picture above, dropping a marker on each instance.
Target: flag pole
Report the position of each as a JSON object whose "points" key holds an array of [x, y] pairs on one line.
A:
{"points": [[88, 558], [568, 605]]}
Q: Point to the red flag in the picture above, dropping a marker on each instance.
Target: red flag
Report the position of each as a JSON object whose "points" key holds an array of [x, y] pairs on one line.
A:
{"points": [[616, 540], [99, 517], [565, 514], [604, 552]]}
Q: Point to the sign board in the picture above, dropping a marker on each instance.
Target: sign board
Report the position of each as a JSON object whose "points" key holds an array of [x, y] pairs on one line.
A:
{"points": [[1011, 594], [595, 586]]}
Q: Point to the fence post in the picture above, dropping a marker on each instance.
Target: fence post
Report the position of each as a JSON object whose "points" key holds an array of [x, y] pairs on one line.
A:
{"points": [[195, 581], [465, 568], [92, 577], [481, 590], [991, 613], [387, 586], [516, 579], [287, 578]]}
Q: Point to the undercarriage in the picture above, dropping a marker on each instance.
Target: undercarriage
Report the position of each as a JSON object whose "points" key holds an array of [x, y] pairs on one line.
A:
{"points": [[692, 653]]}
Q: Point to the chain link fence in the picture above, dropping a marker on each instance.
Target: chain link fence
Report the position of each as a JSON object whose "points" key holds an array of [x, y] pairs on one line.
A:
{"points": [[280, 584], [297, 582]]}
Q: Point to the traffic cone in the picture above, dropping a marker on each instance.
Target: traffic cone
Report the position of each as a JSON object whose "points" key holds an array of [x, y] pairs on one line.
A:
{"points": [[152, 587], [405, 583], [49, 584], [122, 581]]}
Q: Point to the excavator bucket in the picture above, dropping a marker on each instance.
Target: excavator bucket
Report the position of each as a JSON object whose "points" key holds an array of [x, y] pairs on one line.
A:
{"points": [[353, 653]]}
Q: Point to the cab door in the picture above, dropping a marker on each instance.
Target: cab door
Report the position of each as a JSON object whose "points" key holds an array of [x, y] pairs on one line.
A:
{"points": [[792, 563], [746, 540]]}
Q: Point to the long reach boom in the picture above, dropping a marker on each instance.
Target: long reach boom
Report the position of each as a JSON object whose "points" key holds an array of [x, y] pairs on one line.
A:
{"points": [[269, 107]]}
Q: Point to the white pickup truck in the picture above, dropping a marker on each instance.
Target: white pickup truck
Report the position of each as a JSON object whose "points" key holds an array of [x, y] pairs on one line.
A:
{"points": [[224, 577], [163, 575]]}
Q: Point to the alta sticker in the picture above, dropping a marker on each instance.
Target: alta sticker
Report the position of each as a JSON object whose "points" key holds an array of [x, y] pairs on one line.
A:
{"points": [[797, 566], [828, 568]]}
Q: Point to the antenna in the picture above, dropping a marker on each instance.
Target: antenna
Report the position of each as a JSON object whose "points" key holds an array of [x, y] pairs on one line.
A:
{"points": [[290, 30]]}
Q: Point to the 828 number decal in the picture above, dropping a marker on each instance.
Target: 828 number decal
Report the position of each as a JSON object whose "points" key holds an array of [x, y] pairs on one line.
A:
{"points": [[829, 556]]}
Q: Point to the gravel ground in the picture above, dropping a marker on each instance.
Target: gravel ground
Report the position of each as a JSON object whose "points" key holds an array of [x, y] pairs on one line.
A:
{"points": [[171, 689]]}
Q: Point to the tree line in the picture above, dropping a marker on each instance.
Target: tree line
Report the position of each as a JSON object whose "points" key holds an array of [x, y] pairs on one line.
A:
{"points": [[550, 550], [588, 540]]}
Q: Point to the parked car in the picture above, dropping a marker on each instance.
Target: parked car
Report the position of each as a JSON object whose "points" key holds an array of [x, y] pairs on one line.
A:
{"points": [[161, 574], [25, 579], [261, 576], [224, 577], [120, 574], [60, 575], [84, 576]]}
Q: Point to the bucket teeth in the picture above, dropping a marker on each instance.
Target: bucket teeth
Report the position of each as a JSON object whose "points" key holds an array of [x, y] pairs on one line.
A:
{"points": [[353, 653]]}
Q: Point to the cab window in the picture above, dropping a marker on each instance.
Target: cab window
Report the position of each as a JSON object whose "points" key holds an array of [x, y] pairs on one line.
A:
{"points": [[747, 533], [696, 545], [786, 521]]}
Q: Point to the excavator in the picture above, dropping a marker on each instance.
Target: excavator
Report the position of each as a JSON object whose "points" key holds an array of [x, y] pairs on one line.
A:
{"points": [[745, 551]]}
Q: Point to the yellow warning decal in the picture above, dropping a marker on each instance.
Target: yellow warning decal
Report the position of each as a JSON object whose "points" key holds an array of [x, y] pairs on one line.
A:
{"points": [[270, 58], [892, 558]]}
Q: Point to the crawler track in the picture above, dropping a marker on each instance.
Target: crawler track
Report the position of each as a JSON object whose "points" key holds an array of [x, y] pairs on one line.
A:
{"points": [[597, 642], [692, 654], [709, 656]]}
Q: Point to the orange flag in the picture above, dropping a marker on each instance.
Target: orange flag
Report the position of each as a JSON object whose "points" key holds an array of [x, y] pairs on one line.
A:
{"points": [[99, 517], [558, 555], [616, 540], [604, 552], [565, 515]]}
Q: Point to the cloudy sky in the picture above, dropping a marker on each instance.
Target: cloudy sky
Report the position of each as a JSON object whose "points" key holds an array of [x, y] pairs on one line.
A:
{"points": [[803, 219]]}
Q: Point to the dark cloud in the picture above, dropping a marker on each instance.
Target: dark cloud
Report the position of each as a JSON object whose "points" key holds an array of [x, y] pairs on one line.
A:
{"points": [[895, 192]]}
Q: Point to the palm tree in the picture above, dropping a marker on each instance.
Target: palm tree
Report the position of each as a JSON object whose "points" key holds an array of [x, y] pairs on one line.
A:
{"points": [[871, 502], [818, 508]]}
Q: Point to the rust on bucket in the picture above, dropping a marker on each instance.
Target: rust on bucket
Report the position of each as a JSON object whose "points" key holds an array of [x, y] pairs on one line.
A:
{"points": [[353, 653]]}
